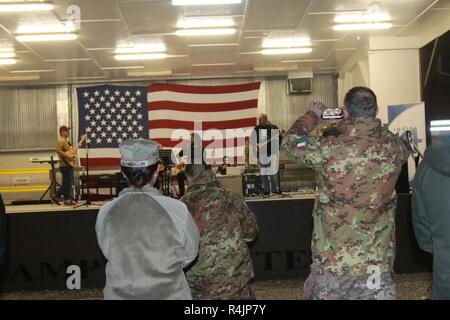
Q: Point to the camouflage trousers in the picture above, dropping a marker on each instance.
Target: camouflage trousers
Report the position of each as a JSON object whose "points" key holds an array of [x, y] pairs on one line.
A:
{"points": [[245, 293], [324, 285]]}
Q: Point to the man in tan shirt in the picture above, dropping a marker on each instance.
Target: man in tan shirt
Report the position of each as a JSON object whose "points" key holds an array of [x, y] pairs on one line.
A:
{"points": [[62, 147]]}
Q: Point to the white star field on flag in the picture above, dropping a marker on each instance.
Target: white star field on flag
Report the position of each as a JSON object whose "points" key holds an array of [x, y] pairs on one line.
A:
{"points": [[111, 117]]}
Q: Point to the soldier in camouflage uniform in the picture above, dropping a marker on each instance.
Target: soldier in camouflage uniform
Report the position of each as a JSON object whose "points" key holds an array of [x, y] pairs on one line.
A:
{"points": [[223, 269], [353, 240]]}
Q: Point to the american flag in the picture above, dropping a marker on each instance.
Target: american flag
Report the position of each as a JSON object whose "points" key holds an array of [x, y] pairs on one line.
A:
{"points": [[110, 115], [173, 106]]}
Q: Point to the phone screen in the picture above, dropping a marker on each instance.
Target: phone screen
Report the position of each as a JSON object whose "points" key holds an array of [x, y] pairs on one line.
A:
{"points": [[333, 114]]}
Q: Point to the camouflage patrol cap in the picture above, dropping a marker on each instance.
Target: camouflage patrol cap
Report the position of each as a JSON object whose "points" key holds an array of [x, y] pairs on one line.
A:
{"points": [[139, 153]]}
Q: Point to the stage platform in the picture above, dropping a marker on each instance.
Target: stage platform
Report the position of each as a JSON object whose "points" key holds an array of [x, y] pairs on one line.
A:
{"points": [[43, 240], [36, 208]]}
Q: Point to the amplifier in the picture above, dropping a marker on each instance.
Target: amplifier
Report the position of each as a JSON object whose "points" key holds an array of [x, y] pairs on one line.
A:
{"points": [[232, 183], [253, 185]]}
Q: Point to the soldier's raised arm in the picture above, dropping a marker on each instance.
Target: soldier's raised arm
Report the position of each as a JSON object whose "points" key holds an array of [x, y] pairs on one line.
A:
{"points": [[298, 145]]}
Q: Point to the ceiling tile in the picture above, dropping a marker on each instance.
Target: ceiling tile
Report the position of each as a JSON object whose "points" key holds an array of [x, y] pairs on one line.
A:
{"points": [[74, 69], [89, 9], [58, 50], [202, 55], [154, 17], [265, 14], [28, 61], [217, 10], [103, 34]]}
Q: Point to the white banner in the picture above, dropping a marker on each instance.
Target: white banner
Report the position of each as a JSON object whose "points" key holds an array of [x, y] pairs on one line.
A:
{"points": [[409, 117]]}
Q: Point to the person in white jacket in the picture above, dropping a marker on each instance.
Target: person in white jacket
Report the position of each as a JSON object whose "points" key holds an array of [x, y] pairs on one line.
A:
{"points": [[148, 239]]}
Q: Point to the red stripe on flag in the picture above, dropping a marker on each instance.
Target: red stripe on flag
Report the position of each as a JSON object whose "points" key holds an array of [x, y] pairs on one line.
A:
{"points": [[203, 107], [167, 143], [204, 89], [206, 125]]}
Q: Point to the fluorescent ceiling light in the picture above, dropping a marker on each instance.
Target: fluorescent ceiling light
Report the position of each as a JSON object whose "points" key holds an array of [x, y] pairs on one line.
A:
{"points": [[7, 61], [86, 78], [286, 51], [46, 28], [4, 55], [362, 26], [361, 17], [149, 73], [205, 32], [214, 45], [214, 64], [31, 71], [440, 123], [203, 2], [147, 48], [269, 69], [286, 43], [123, 68], [205, 23], [22, 7], [46, 37], [434, 129], [142, 56], [22, 78]]}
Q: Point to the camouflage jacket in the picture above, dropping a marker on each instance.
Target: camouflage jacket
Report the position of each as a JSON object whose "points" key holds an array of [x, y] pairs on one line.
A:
{"points": [[356, 201], [225, 224]]}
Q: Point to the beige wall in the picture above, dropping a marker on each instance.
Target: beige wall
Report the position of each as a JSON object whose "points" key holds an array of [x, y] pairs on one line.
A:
{"points": [[394, 77]]}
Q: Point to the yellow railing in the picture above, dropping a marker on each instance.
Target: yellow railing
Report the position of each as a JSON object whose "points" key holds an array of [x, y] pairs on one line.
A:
{"points": [[23, 171], [22, 189]]}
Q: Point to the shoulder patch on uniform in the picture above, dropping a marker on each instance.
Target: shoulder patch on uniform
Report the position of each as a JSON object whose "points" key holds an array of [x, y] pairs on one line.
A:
{"points": [[302, 143]]}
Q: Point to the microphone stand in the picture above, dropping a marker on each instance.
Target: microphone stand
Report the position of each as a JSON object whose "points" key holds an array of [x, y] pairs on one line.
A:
{"points": [[88, 202]]}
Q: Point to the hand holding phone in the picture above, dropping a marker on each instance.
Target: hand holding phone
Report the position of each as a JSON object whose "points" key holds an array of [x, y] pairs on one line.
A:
{"points": [[317, 108]]}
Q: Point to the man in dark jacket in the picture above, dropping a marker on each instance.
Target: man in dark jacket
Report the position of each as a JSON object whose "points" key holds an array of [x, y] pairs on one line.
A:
{"points": [[268, 141], [431, 214], [2, 232]]}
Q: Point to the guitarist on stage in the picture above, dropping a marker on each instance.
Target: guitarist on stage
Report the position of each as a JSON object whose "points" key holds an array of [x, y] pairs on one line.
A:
{"points": [[266, 135], [63, 148]]}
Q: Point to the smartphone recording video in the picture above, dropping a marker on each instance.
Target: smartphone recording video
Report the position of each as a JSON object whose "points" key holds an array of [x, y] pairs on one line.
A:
{"points": [[333, 114]]}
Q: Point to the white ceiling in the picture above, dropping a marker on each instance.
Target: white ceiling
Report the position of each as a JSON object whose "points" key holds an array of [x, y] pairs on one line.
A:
{"points": [[106, 24]]}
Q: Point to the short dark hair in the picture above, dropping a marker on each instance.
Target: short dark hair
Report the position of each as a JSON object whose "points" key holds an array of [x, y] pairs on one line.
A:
{"points": [[361, 102], [139, 177], [195, 170]]}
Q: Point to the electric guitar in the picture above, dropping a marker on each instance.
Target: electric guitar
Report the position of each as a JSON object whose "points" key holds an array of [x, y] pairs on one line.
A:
{"points": [[73, 151]]}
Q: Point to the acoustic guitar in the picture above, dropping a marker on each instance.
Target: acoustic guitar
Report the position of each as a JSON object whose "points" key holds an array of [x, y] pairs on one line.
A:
{"points": [[73, 151]]}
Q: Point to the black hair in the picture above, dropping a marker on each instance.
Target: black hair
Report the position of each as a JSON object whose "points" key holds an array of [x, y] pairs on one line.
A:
{"points": [[361, 102], [194, 168], [139, 177]]}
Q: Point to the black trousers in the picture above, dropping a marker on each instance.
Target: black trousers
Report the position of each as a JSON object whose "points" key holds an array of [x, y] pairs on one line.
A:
{"points": [[67, 174], [181, 177]]}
